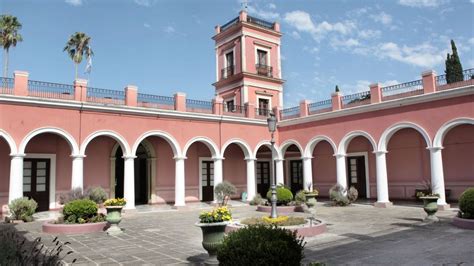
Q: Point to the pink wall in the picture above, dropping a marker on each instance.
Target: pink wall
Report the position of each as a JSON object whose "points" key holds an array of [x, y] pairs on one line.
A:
{"points": [[165, 170], [4, 172], [191, 170], [324, 168], [97, 162], [235, 168], [250, 44]]}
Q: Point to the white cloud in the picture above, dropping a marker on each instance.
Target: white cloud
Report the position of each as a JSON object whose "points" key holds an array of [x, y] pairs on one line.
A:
{"points": [[422, 3], [382, 17], [169, 29], [74, 2], [145, 3], [471, 41], [424, 55], [389, 83], [273, 6], [295, 35], [146, 25], [300, 20], [346, 43], [369, 34]]}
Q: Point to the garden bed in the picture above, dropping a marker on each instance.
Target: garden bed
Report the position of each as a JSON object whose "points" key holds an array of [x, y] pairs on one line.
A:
{"points": [[280, 209], [52, 228], [307, 230], [463, 223]]}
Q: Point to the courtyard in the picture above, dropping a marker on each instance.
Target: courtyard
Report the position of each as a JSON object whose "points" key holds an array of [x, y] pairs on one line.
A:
{"points": [[358, 235]]}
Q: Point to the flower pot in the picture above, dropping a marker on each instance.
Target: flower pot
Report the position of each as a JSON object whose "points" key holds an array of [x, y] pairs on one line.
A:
{"points": [[310, 195], [114, 216], [212, 237], [430, 206]]}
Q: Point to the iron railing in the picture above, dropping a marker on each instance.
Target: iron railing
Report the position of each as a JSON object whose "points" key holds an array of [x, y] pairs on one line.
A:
{"points": [[467, 75], [262, 112], [290, 113], [198, 106], [6, 86], [227, 72], [355, 99], [155, 101], [235, 110], [320, 107], [402, 90], [260, 22], [230, 24], [264, 70], [50, 90], [105, 96]]}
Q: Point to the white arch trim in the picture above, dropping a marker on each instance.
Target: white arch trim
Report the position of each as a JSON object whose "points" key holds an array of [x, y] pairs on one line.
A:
{"points": [[11, 143], [164, 135], [266, 143], [241, 143], [388, 133], [58, 131], [314, 141], [287, 143], [206, 141], [121, 140], [351, 135], [444, 129]]}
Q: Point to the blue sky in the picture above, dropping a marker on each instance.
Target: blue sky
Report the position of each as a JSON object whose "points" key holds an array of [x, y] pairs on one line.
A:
{"points": [[166, 46]]}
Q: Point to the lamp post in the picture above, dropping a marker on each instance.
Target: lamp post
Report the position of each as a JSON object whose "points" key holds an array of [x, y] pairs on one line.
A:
{"points": [[271, 121]]}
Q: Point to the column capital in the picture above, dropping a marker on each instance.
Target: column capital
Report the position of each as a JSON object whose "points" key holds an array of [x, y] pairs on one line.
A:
{"points": [[177, 158], [278, 159], [17, 155], [306, 157], [380, 152], [340, 155], [128, 157], [434, 149], [250, 159], [218, 158], [78, 156]]}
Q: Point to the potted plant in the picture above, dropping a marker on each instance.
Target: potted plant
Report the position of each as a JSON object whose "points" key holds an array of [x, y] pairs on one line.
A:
{"points": [[311, 194], [212, 224], [114, 214], [430, 205]]}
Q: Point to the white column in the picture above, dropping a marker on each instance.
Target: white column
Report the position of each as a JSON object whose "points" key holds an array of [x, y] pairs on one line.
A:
{"points": [[382, 181], [129, 181], [280, 179], [77, 171], [307, 173], [218, 176], [437, 174], [251, 191], [152, 175], [16, 177], [341, 173], [179, 193]]}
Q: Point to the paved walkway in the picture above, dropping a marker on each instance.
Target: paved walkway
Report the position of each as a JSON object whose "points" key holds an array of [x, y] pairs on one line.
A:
{"points": [[357, 235]]}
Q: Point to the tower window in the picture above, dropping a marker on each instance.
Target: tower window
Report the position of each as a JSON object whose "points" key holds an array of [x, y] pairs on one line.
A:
{"points": [[263, 67], [263, 107], [229, 105], [228, 69], [262, 57]]}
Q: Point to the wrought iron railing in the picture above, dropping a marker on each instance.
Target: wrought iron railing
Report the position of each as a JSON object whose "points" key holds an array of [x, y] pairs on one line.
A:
{"points": [[155, 101], [320, 107], [290, 113], [50, 90], [198, 106], [6, 86], [467, 75], [402, 90], [230, 24], [105, 96], [260, 22], [356, 99], [262, 112], [235, 110], [264, 70], [227, 72]]}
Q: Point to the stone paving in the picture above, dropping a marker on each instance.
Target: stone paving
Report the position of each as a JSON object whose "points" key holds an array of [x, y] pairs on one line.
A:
{"points": [[357, 235]]}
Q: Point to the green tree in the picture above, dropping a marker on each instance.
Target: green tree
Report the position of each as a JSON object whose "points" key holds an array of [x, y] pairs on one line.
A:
{"points": [[77, 46], [9, 37], [453, 66]]}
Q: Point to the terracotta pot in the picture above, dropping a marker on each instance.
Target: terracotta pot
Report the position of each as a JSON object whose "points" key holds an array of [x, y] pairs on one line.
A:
{"points": [[212, 237]]}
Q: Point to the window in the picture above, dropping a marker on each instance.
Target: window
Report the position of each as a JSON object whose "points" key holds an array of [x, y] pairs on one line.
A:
{"points": [[229, 106], [263, 107], [263, 64], [261, 57], [229, 57], [228, 69]]}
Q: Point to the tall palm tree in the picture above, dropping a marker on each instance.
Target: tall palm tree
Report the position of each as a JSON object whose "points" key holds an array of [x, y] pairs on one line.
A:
{"points": [[77, 46], [9, 36]]}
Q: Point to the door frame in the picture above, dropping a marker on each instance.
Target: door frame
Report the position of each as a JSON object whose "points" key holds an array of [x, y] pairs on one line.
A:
{"points": [[366, 160], [200, 176], [287, 178], [52, 174], [255, 172]]}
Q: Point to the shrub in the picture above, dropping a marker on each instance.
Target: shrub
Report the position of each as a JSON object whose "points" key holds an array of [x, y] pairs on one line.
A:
{"points": [[223, 191], [261, 245], [284, 195], [257, 200], [300, 197], [280, 220], [96, 194], [217, 215], [74, 194], [352, 194], [336, 194], [79, 211], [466, 204], [311, 202], [23, 209]]}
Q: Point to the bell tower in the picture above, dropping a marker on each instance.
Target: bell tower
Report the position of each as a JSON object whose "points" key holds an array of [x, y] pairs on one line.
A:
{"points": [[248, 64]]}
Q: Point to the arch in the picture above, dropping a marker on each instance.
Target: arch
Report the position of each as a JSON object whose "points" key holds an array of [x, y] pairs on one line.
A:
{"points": [[314, 141], [206, 141], [241, 143], [444, 129], [58, 131], [287, 143], [388, 133], [269, 145], [121, 140], [351, 135], [166, 136], [11, 143]]}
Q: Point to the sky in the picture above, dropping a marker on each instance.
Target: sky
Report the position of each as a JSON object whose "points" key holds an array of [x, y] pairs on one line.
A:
{"points": [[165, 46]]}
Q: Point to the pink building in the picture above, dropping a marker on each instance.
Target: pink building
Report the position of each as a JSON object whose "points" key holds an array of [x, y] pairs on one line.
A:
{"points": [[154, 149]]}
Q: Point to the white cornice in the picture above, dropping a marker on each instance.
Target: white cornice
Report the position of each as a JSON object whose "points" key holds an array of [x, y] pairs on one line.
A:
{"points": [[246, 33], [446, 94], [248, 83]]}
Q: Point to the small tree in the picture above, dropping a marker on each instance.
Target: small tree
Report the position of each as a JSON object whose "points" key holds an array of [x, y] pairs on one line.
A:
{"points": [[453, 66], [223, 191], [77, 46]]}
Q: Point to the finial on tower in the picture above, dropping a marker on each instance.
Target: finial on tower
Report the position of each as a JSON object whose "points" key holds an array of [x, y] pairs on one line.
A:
{"points": [[244, 5]]}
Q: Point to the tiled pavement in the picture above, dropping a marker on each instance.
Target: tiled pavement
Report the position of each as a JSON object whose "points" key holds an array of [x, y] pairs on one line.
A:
{"points": [[359, 234]]}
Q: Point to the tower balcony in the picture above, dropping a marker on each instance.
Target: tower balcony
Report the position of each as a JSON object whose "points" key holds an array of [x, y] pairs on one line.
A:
{"points": [[264, 70], [227, 72]]}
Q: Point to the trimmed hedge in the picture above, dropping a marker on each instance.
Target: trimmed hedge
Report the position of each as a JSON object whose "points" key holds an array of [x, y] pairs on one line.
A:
{"points": [[466, 204], [80, 211], [284, 195]]}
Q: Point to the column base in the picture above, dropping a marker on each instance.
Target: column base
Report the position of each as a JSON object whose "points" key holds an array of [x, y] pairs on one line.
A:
{"points": [[444, 207], [383, 204], [179, 207]]}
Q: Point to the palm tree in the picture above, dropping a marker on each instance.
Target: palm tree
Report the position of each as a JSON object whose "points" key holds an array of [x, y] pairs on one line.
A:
{"points": [[9, 36], [77, 46]]}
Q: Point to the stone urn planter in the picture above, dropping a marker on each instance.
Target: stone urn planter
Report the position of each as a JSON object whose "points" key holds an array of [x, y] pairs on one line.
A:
{"points": [[430, 206], [212, 237], [310, 195], [114, 216]]}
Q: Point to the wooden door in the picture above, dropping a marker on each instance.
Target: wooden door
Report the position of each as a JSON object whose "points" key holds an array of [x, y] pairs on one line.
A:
{"points": [[263, 178], [36, 181], [296, 176], [356, 174], [207, 179]]}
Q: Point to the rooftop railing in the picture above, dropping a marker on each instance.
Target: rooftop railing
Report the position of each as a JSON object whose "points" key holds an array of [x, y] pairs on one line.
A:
{"points": [[155, 101], [6, 85], [235, 110], [402, 90], [260, 22], [468, 79], [230, 24], [289, 113], [50, 90], [198, 106], [356, 99], [320, 107], [105, 96]]}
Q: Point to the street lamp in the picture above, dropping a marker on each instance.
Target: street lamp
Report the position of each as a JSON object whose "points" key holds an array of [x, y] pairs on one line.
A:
{"points": [[271, 121]]}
